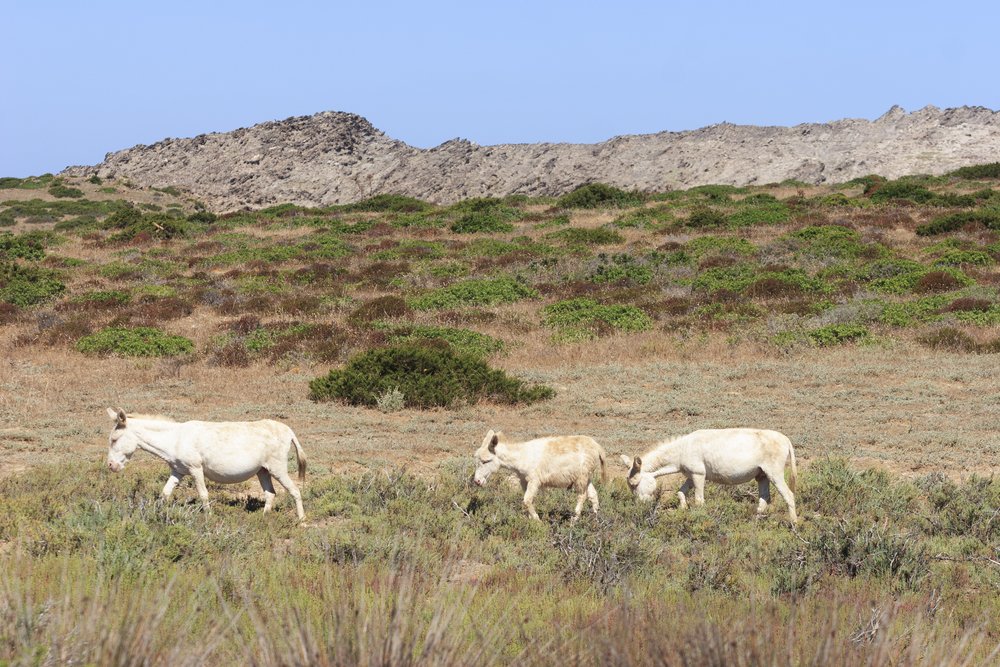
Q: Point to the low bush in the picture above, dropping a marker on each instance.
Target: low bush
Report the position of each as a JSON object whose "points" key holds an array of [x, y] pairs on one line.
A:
{"points": [[380, 308], [950, 339], [27, 285], [21, 246], [836, 334], [704, 217], [134, 342], [462, 340], [476, 292], [768, 213], [428, 376], [485, 215], [600, 195], [620, 268], [989, 218], [584, 314], [388, 203], [901, 190], [64, 192], [977, 171]]}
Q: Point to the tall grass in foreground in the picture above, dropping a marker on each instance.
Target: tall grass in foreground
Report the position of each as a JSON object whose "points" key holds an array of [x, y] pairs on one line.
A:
{"points": [[399, 570]]}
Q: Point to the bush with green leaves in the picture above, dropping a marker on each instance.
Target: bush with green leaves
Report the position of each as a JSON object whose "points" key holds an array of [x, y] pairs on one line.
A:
{"points": [[465, 341], [836, 334], [582, 314], [475, 292], [134, 342], [484, 214], [65, 192], [705, 218], [27, 285], [388, 203], [902, 190], [989, 218], [600, 195], [620, 268], [977, 171], [765, 213], [29, 246], [826, 241], [428, 376], [708, 246]]}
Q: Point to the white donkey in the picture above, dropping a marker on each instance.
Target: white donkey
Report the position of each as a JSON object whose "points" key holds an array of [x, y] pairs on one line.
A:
{"points": [[224, 452], [566, 462], [726, 456]]}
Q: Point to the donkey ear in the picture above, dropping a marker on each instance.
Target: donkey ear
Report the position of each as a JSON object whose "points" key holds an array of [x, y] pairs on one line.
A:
{"points": [[493, 443], [120, 416], [636, 465], [113, 414], [626, 460]]}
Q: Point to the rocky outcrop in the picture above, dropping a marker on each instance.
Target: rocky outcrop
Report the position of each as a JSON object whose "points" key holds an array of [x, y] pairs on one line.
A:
{"points": [[334, 158]]}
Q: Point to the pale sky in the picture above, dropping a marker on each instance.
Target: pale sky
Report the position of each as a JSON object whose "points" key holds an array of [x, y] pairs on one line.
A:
{"points": [[80, 79]]}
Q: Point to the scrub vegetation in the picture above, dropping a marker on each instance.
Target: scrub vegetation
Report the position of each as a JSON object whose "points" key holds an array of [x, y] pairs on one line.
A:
{"points": [[862, 319]]}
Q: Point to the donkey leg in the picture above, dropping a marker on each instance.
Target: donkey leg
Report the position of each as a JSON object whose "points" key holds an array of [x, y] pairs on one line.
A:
{"points": [[264, 477], [199, 482], [592, 494], [764, 491], [171, 484], [699, 489], [286, 481], [683, 491], [529, 498], [779, 482]]}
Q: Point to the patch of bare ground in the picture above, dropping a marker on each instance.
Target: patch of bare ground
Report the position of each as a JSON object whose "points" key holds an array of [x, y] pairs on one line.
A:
{"points": [[902, 407]]}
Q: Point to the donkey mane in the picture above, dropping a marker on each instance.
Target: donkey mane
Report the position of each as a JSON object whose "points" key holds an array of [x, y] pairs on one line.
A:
{"points": [[156, 418]]}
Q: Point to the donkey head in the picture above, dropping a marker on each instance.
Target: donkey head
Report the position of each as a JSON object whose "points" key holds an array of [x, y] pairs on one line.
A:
{"points": [[642, 484], [487, 461], [122, 442]]}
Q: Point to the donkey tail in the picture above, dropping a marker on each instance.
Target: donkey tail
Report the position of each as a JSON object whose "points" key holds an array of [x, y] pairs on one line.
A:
{"points": [[795, 472], [603, 456], [300, 456]]}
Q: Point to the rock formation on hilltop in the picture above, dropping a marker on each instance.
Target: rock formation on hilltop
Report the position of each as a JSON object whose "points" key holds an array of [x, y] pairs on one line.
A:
{"points": [[333, 158]]}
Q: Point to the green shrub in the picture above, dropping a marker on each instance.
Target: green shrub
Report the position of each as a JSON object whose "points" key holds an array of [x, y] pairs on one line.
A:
{"points": [[621, 268], [22, 246], [719, 194], [462, 340], [476, 292], [63, 192], [989, 218], [826, 241], [582, 314], [389, 203], [704, 217], [892, 275], [835, 334], [484, 214], [705, 246], [427, 376], [600, 195], [902, 190], [134, 342], [773, 213], [27, 285], [977, 171]]}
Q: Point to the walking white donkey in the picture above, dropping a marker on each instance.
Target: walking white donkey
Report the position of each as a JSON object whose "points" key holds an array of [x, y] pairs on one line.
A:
{"points": [[726, 456], [224, 452], [565, 462]]}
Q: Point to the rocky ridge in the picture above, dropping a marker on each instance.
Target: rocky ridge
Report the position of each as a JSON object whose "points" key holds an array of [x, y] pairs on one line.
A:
{"points": [[335, 158]]}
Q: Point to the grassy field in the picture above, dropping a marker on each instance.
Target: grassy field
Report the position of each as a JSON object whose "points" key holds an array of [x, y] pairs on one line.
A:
{"points": [[862, 320]]}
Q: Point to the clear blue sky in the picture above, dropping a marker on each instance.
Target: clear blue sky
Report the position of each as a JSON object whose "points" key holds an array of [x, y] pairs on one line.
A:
{"points": [[79, 79]]}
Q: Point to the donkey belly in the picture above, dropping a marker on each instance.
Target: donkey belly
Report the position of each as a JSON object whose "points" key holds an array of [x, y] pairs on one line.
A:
{"points": [[231, 475]]}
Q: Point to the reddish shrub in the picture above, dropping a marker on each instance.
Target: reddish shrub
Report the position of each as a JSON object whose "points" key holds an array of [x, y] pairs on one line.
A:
{"points": [[966, 304], [937, 281]]}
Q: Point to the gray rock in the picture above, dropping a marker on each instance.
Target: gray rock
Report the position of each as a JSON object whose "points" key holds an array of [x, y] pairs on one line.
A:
{"points": [[336, 158]]}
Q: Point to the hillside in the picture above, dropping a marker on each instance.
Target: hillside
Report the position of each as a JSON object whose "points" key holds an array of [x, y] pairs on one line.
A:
{"points": [[336, 158]]}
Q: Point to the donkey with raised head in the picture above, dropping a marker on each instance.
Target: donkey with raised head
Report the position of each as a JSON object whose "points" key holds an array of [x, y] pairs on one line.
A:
{"points": [[566, 462], [223, 452], [726, 456]]}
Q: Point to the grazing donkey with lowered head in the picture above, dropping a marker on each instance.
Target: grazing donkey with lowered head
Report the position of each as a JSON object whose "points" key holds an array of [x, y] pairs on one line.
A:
{"points": [[726, 456], [565, 461], [224, 452]]}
